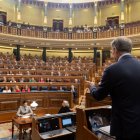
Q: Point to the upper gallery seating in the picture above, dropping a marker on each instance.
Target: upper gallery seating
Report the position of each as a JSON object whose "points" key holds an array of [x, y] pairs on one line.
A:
{"points": [[79, 32]]}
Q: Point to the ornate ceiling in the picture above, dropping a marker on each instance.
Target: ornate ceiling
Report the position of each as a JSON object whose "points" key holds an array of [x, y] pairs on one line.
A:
{"points": [[100, 2], [70, 1]]}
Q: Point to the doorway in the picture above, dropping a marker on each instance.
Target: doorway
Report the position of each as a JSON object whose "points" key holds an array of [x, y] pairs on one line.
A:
{"points": [[57, 25]]}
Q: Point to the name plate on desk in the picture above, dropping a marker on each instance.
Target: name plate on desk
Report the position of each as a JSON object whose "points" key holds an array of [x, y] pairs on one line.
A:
{"points": [[55, 133]]}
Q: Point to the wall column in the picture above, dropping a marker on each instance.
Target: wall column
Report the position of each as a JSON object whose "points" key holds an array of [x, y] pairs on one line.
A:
{"points": [[105, 55], [19, 10], [101, 54], [122, 19], [127, 13], [95, 21], [122, 11], [95, 14], [70, 15], [15, 11], [45, 14], [44, 58], [18, 53], [95, 55], [70, 55]]}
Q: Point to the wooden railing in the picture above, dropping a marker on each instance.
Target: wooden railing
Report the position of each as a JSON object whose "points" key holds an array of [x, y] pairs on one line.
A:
{"points": [[62, 35]]}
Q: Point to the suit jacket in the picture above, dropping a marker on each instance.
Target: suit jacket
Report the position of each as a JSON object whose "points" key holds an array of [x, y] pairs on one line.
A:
{"points": [[64, 109], [122, 81]]}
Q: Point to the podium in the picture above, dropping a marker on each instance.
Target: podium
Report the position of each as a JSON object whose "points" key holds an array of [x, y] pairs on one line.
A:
{"points": [[55, 127], [90, 121]]}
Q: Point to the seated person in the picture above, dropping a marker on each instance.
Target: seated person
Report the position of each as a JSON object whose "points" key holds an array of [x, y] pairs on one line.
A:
{"points": [[22, 80], [4, 79], [59, 73], [61, 89], [24, 110], [12, 80], [32, 80], [74, 91], [16, 89], [52, 73], [28, 73], [6, 90], [33, 68], [10, 73], [76, 80], [41, 80], [19, 73], [26, 89], [65, 107], [48, 80]]}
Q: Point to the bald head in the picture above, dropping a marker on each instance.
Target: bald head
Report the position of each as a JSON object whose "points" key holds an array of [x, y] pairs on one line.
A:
{"points": [[65, 103]]}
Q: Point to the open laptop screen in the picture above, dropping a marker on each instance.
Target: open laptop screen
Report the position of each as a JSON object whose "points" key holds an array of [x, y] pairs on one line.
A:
{"points": [[66, 122], [46, 125]]}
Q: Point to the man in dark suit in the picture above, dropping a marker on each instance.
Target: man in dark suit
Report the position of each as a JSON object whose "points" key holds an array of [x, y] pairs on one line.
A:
{"points": [[65, 107], [121, 81]]}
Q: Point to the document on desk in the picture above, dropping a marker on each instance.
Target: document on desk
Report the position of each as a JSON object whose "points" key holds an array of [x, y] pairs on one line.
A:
{"points": [[71, 128], [55, 133], [105, 130], [26, 116]]}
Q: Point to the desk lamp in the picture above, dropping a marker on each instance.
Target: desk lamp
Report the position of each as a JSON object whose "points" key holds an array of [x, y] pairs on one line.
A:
{"points": [[33, 106]]}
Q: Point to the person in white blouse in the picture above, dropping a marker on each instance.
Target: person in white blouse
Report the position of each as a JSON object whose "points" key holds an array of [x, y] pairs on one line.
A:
{"points": [[24, 110], [6, 90]]}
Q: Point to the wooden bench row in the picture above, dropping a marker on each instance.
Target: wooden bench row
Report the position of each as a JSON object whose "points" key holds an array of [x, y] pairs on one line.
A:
{"points": [[46, 78], [47, 64], [37, 85], [12, 72]]}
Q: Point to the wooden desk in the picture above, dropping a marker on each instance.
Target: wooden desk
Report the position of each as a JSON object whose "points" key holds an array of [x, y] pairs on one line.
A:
{"points": [[21, 124], [25, 123], [40, 133]]}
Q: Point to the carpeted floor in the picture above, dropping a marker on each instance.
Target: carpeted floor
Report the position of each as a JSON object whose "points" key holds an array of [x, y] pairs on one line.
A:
{"points": [[6, 132]]}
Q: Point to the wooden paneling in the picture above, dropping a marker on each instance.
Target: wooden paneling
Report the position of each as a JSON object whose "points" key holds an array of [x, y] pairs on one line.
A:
{"points": [[9, 102], [91, 102], [8, 105], [45, 99]]}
